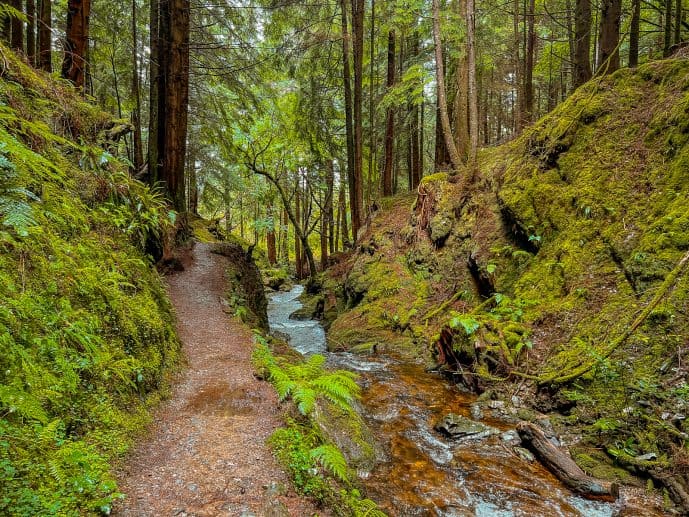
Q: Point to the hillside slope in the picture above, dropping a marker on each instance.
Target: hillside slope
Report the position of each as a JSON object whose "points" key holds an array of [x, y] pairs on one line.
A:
{"points": [[86, 332], [555, 278]]}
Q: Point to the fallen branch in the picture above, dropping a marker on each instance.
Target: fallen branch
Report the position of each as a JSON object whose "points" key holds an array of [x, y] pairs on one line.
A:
{"points": [[663, 290], [562, 465]]}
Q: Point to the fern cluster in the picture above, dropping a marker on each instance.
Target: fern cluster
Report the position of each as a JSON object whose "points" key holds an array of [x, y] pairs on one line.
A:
{"points": [[86, 333], [301, 446], [306, 381]]}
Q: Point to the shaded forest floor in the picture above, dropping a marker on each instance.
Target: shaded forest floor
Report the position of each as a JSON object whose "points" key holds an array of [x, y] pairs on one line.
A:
{"points": [[206, 452]]}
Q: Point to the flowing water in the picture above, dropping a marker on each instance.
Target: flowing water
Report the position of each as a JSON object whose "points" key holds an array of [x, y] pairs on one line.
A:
{"points": [[424, 473]]}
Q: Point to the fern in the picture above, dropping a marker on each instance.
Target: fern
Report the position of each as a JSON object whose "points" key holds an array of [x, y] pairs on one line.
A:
{"points": [[332, 460], [306, 381], [15, 210]]}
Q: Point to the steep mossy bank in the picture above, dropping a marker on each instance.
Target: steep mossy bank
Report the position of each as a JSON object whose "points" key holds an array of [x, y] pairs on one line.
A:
{"points": [[555, 278], [86, 333]]}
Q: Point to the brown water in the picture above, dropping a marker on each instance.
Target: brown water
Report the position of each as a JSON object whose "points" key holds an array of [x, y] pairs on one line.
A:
{"points": [[422, 473]]}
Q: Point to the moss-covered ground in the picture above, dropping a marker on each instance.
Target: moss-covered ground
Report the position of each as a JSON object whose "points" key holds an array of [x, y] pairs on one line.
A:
{"points": [[555, 274], [86, 331]]}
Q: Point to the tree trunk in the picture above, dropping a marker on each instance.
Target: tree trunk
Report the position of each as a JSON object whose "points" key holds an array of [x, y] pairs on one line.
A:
{"points": [[634, 28], [609, 57], [17, 27], [356, 195], [442, 100], [155, 85], [31, 31], [330, 193], [176, 104], [678, 22], [349, 125], [561, 464], [284, 239], [169, 97], [76, 42], [460, 110], [296, 222], [529, 63], [473, 90], [517, 111], [389, 120], [667, 31], [136, 94], [5, 27], [582, 38]]}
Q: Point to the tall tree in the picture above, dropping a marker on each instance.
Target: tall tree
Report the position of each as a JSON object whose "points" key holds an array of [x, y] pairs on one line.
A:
{"points": [[31, 31], [349, 117], [17, 39], [167, 145], [45, 26], [582, 42], [442, 96], [473, 90], [136, 94], [389, 120], [609, 38], [76, 41], [634, 29], [356, 195], [529, 61]]}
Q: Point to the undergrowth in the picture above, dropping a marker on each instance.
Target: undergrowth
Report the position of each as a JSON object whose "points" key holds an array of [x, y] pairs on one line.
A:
{"points": [[86, 333], [317, 466]]}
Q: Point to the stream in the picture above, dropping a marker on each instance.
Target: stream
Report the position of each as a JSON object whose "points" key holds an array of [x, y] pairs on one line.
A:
{"points": [[424, 473]]}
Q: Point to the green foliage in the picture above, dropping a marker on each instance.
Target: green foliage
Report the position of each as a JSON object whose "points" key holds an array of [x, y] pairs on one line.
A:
{"points": [[305, 382], [332, 460], [86, 333]]}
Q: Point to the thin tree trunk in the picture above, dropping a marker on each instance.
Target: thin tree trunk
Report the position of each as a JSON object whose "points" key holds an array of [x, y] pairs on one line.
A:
{"points": [[329, 202], [76, 42], [371, 107], [634, 34], [154, 144], [5, 27], [678, 22], [136, 94], [473, 90], [460, 111], [442, 100], [270, 237], [284, 231], [349, 125], [516, 57], [299, 272], [356, 195], [529, 63], [17, 38], [667, 32], [31, 31], [389, 119]]}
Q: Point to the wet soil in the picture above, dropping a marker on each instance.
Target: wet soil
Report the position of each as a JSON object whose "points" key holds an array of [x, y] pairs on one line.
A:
{"points": [[206, 453]]}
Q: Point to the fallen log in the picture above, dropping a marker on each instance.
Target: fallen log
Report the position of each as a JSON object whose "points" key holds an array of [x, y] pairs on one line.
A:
{"points": [[562, 465]]}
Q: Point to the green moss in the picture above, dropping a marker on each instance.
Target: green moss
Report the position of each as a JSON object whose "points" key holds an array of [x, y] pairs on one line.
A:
{"points": [[86, 331]]}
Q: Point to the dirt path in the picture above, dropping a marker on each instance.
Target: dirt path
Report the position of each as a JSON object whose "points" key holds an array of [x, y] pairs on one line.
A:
{"points": [[206, 454]]}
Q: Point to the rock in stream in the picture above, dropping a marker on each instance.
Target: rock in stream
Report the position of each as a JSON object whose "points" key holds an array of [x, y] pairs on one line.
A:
{"points": [[459, 427]]}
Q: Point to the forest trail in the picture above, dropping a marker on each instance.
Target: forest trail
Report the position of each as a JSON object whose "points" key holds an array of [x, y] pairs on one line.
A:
{"points": [[206, 454]]}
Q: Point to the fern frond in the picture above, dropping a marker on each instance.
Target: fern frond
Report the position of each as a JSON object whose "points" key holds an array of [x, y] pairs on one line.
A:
{"points": [[305, 398], [332, 460]]}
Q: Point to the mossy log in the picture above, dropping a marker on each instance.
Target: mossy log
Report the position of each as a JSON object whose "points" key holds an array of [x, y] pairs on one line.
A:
{"points": [[562, 465]]}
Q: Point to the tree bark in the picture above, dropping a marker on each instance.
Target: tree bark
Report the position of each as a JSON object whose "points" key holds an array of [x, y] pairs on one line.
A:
{"points": [[76, 42], [442, 100], [17, 27], [31, 31], [517, 111], [582, 38], [460, 110], [609, 57], [529, 63], [169, 97], [561, 464], [389, 120], [349, 124], [634, 28], [136, 94], [356, 195], [473, 90], [668, 30]]}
